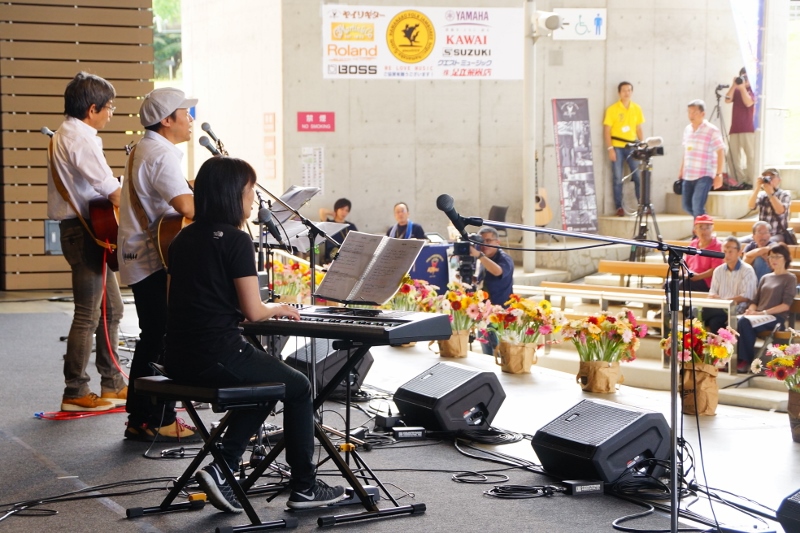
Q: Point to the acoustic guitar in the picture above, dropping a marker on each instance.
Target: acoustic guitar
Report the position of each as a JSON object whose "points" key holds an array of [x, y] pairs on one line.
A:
{"points": [[168, 227], [543, 214], [104, 218]]}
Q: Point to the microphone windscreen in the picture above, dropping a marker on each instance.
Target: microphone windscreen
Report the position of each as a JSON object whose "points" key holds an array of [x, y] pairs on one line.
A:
{"points": [[444, 202], [206, 126], [204, 141], [46, 131], [652, 142]]}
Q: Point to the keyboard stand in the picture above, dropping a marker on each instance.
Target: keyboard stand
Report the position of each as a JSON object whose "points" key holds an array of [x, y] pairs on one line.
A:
{"points": [[372, 512]]}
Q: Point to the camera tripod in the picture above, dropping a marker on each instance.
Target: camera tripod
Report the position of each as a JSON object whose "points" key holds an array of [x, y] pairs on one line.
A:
{"points": [[643, 215], [717, 113]]}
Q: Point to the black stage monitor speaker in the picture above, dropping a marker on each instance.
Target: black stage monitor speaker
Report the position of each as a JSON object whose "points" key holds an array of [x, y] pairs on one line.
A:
{"points": [[450, 397], [329, 362], [597, 439], [789, 513]]}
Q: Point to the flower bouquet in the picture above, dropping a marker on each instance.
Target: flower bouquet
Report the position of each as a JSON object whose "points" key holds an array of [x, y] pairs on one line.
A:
{"points": [[519, 328], [413, 295], [293, 280], [705, 353], [783, 366], [602, 341], [466, 308]]}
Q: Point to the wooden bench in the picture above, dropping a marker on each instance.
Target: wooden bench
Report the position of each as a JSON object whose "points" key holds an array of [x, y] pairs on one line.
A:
{"points": [[734, 226], [626, 269]]}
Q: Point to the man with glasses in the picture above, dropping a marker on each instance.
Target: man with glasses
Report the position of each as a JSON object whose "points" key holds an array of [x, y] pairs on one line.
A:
{"points": [[772, 203], [77, 169], [742, 132], [156, 183], [497, 275]]}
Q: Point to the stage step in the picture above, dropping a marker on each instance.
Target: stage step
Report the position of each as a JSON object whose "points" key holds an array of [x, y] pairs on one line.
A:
{"points": [[724, 204], [756, 393]]}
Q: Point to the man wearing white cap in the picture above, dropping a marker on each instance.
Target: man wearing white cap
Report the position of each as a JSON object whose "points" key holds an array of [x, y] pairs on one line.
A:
{"points": [[154, 180]]}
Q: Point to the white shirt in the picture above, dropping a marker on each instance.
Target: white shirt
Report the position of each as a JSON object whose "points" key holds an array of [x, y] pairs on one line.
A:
{"points": [[158, 178], [82, 167], [741, 281]]}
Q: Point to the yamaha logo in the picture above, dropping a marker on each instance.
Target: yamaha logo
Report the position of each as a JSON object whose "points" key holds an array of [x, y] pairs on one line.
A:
{"points": [[410, 36]]}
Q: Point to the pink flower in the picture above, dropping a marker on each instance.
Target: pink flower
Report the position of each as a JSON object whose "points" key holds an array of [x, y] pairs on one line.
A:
{"points": [[544, 329], [686, 355], [643, 331], [726, 335], [474, 312]]}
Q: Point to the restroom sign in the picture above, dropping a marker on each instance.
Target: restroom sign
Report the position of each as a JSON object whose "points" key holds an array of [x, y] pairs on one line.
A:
{"points": [[581, 25]]}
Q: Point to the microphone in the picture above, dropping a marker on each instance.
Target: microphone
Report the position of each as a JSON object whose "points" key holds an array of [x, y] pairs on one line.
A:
{"points": [[206, 142], [445, 203], [46, 131], [265, 217], [206, 127], [652, 142]]}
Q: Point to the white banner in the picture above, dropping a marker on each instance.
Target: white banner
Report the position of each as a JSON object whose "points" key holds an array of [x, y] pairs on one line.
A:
{"points": [[422, 43]]}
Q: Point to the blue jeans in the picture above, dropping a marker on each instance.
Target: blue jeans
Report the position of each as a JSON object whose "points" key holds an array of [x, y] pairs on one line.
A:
{"points": [[624, 155], [695, 194], [491, 342], [85, 259]]}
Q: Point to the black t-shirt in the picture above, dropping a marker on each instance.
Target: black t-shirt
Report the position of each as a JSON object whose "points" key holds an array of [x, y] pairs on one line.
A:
{"points": [[204, 313]]}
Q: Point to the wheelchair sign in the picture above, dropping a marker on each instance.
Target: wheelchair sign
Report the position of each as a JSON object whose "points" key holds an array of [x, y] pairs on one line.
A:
{"points": [[581, 25]]}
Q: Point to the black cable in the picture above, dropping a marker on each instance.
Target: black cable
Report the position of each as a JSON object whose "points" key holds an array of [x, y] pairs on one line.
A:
{"points": [[519, 492]]}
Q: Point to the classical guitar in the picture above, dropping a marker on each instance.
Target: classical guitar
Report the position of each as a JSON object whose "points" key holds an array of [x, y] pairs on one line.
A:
{"points": [[543, 214], [104, 218], [168, 227]]}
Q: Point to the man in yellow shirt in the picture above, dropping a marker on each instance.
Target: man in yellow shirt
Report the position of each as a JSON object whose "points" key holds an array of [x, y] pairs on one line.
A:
{"points": [[621, 125]]}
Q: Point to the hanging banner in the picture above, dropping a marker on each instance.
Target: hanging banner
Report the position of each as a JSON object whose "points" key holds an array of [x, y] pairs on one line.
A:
{"points": [[422, 43], [575, 166]]}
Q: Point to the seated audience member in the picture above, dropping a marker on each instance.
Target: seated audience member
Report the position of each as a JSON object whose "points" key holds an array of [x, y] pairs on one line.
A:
{"points": [[213, 286], [772, 203], [405, 228], [496, 273], [341, 208], [755, 252], [774, 297], [732, 280], [702, 267]]}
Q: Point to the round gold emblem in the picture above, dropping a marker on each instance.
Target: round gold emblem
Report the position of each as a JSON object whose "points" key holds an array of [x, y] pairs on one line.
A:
{"points": [[410, 36]]}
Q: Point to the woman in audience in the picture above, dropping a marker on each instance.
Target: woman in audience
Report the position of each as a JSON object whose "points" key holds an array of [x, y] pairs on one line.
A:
{"points": [[774, 297]]}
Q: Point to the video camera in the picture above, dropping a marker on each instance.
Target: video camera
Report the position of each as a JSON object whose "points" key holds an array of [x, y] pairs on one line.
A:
{"points": [[466, 263], [644, 150]]}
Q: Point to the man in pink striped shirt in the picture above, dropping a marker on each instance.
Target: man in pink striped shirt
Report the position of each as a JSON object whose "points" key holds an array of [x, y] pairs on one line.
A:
{"points": [[703, 158]]}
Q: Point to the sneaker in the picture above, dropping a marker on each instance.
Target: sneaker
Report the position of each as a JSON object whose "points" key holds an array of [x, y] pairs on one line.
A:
{"points": [[178, 431], [317, 496], [217, 489], [117, 398], [90, 402]]}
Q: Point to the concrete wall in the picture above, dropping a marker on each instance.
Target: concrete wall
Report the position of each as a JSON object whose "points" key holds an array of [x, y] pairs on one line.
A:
{"points": [[411, 141]]}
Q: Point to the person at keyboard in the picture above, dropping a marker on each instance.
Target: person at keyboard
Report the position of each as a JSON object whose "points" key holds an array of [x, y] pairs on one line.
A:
{"points": [[213, 286]]}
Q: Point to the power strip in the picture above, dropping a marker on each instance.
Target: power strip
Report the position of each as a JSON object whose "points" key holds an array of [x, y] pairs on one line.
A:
{"points": [[408, 433]]}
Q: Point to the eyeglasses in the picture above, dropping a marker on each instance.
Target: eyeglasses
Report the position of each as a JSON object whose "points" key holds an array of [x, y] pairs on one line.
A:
{"points": [[111, 108]]}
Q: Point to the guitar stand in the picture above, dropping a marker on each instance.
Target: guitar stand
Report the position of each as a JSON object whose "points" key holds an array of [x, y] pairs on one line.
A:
{"points": [[372, 512]]}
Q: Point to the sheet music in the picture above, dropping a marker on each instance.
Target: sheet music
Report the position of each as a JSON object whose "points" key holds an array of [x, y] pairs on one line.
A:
{"points": [[369, 268], [758, 320], [296, 197]]}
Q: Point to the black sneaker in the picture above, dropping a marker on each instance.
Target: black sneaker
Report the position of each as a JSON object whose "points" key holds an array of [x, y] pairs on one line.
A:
{"points": [[219, 492], [317, 496]]}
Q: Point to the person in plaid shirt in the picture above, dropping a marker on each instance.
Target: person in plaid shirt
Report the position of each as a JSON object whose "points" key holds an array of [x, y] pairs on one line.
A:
{"points": [[703, 157], [772, 202]]}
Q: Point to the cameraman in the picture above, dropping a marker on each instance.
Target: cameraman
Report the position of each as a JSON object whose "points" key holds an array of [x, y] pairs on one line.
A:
{"points": [[742, 132], [772, 203], [497, 275]]}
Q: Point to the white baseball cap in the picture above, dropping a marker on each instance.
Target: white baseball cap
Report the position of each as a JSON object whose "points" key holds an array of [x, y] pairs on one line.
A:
{"points": [[161, 103]]}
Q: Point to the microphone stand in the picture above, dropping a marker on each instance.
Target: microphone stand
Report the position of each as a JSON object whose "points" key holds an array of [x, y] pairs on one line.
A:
{"points": [[313, 233], [675, 260]]}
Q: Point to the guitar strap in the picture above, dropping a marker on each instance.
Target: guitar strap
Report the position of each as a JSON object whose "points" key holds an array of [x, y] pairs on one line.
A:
{"points": [[136, 203], [62, 190]]}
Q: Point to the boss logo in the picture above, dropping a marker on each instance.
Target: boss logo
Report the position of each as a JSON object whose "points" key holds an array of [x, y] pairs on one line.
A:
{"points": [[358, 69]]}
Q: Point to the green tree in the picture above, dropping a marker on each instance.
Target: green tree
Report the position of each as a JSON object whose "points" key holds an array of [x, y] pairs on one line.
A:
{"points": [[167, 37]]}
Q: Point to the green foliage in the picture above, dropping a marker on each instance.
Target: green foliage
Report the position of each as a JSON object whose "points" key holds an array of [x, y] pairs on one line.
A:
{"points": [[167, 43]]}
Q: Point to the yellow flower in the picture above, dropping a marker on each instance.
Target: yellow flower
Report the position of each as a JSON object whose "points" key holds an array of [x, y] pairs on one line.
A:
{"points": [[545, 305]]}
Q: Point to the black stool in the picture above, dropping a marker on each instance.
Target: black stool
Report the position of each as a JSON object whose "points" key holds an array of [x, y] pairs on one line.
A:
{"points": [[258, 395]]}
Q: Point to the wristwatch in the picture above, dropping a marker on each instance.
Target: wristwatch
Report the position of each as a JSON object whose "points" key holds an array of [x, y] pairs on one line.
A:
{"points": [[482, 255]]}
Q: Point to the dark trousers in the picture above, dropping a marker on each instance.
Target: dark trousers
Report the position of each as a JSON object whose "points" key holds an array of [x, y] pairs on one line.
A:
{"points": [[747, 337], [250, 365], [714, 319], [150, 296]]}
